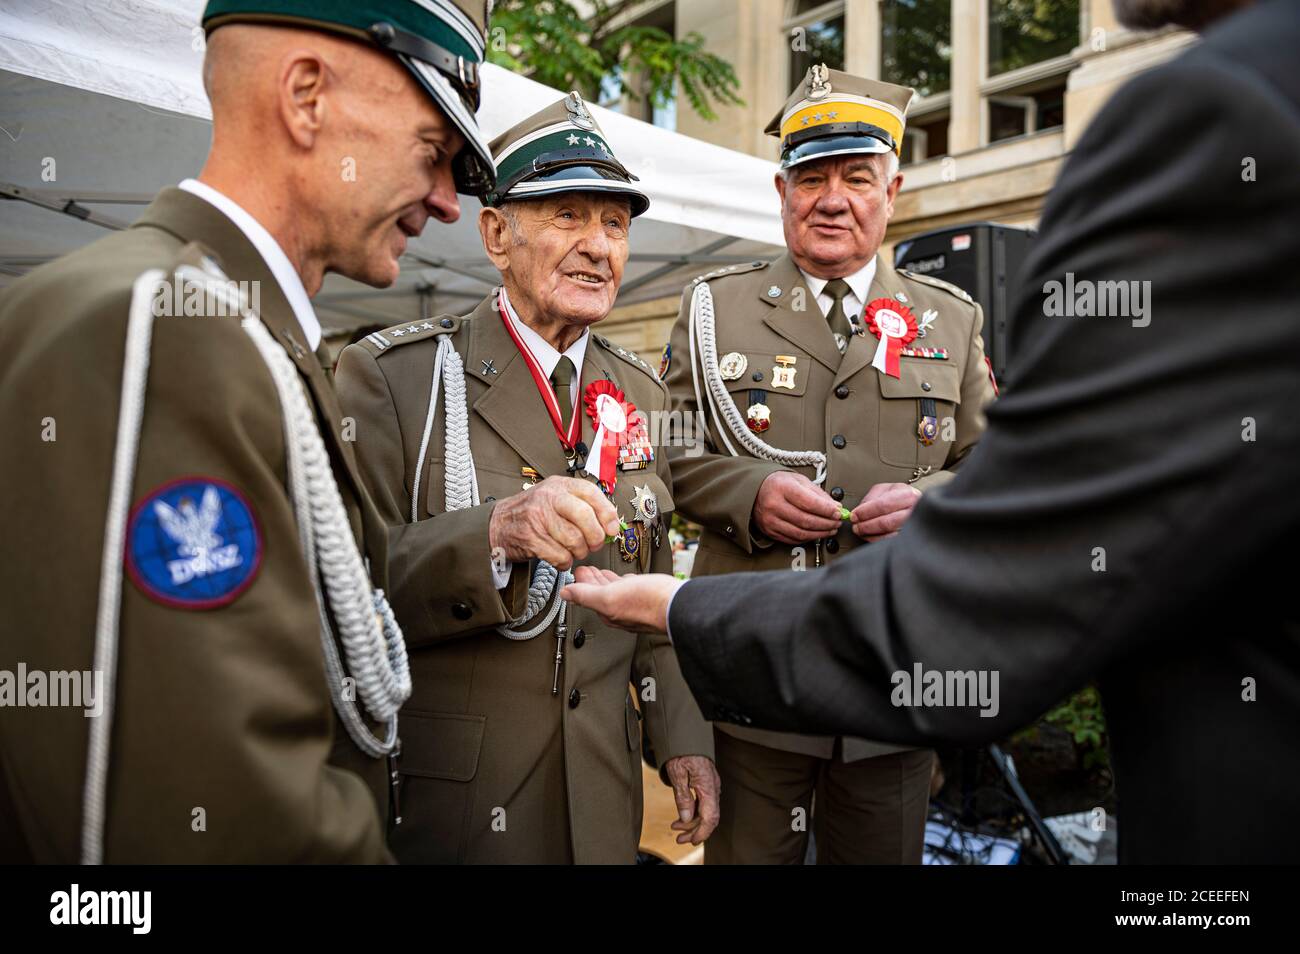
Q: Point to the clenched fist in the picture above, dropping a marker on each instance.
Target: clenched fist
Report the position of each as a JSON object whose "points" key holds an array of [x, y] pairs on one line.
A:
{"points": [[792, 509], [560, 520]]}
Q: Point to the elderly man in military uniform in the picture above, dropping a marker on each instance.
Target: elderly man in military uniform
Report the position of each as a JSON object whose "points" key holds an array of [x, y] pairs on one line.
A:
{"points": [[166, 390], [504, 447], [833, 391]]}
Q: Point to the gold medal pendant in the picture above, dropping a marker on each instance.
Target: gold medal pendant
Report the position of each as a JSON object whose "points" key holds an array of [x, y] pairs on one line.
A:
{"points": [[783, 372]]}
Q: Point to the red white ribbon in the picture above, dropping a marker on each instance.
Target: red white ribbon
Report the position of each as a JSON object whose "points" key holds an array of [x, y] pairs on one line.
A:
{"points": [[894, 324], [610, 414], [542, 381]]}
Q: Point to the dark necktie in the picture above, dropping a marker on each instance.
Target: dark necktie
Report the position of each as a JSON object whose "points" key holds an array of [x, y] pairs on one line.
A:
{"points": [[561, 378], [326, 364], [837, 288]]}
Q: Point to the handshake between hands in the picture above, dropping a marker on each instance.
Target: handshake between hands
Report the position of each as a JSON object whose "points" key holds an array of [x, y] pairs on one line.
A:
{"points": [[789, 508]]}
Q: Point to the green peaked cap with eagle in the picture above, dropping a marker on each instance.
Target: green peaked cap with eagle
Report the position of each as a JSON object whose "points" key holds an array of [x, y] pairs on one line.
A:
{"points": [[559, 149], [440, 42]]}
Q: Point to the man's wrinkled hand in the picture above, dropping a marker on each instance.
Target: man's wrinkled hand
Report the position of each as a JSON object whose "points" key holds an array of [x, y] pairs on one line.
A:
{"points": [[792, 509], [637, 602], [697, 791], [560, 520], [883, 510]]}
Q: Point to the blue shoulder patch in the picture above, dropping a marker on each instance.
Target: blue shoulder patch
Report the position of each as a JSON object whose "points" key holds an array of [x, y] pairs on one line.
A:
{"points": [[193, 543]]}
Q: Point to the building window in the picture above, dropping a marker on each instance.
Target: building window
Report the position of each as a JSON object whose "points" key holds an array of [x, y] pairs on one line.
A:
{"points": [[640, 104], [1025, 32], [916, 44], [926, 137], [1019, 113], [816, 34]]}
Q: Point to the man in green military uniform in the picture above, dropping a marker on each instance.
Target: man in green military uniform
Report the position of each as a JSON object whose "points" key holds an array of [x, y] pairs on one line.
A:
{"points": [[833, 390], [168, 395], [503, 448]]}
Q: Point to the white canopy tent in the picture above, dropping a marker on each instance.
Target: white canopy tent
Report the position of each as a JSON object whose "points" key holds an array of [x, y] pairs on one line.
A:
{"points": [[103, 105]]}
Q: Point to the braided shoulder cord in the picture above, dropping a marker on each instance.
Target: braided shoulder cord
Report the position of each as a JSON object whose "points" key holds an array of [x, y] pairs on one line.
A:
{"points": [[372, 641], [461, 486], [721, 405]]}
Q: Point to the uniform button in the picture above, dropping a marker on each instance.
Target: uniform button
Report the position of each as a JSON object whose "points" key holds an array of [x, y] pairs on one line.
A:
{"points": [[574, 698], [731, 531], [837, 493], [757, 375], [842, 391], [832, 545], [925, 385], [461, 611], [446, 322], [838, 441], [579, 638]]}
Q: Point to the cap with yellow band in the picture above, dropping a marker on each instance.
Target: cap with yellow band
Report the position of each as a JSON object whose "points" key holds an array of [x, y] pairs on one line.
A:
{"points": [[832, 113]]}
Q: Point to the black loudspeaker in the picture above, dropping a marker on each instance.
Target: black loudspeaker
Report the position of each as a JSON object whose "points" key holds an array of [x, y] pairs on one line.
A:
{"points": [[983, 259]]}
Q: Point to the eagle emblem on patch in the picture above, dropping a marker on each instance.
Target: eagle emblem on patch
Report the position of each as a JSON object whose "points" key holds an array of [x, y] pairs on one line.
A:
{"points": [[193, 543]]}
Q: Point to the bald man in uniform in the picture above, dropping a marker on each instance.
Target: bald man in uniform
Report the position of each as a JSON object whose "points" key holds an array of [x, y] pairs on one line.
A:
{"points": [[189, 532]]}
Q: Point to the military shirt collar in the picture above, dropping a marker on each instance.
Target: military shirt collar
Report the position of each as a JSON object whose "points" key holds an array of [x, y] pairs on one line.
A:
{"points": [[859, 282], [542, 350], [281, 268]]}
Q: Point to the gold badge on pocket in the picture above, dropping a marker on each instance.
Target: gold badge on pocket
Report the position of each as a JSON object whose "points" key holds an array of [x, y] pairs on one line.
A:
{"points": [[783, 372]]}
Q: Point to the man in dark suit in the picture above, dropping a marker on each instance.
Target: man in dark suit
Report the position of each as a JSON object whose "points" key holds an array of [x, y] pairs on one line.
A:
{"points": [[1130, 515]]}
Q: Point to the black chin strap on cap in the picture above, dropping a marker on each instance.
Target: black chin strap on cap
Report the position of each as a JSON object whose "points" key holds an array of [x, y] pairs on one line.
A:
{"points": [[462, 74], [471, 175]]}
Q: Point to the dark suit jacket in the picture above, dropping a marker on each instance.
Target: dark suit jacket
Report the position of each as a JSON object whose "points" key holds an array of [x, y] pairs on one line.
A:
{"points": [[1174, 448]]}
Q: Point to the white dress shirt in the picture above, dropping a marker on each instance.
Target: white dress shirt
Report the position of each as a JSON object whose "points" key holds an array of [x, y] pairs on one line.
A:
{"points": [[545, 354], [281, 268], [859, 287]]}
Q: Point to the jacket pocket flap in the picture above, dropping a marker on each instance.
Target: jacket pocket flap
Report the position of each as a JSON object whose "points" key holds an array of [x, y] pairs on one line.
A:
{"points": [[440, 745], [921, 378], [767, 366]]}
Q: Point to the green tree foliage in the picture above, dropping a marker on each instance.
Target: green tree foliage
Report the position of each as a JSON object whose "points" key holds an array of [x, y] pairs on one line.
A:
{"points": [[1022, 32], [917, 44], [551, 42]]}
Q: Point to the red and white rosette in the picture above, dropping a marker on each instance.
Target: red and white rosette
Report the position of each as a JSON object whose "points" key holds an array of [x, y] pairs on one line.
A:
{"points": [[610, 415], [894, 324]]}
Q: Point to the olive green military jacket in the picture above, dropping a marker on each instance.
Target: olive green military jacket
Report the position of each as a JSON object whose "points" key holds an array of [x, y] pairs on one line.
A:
{"points": [[224, 743], [495, 768], [864, 421]]}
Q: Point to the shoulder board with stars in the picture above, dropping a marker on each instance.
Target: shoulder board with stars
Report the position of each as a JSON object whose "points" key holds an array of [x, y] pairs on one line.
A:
{"points": [[629, 356], [381, 341], [937, 283], [740, 269]]}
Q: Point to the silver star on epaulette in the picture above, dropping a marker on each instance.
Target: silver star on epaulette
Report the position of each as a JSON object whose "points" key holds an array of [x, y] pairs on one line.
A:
{"points": [[397, 332], [426, 327], [413, 329]]}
